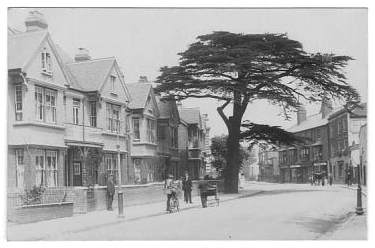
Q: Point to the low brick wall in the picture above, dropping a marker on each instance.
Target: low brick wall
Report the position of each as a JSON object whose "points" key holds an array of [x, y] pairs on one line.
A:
{"points": [[39, 212]]}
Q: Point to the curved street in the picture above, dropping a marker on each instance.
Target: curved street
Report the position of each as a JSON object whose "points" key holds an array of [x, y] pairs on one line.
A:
{"points": [[278, 212]]}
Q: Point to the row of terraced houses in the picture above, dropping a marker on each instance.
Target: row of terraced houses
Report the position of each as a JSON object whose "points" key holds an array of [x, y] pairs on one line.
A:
{"points": [[335, 144], [73, 122]]}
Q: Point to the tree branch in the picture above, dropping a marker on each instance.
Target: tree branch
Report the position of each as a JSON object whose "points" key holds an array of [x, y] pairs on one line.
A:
{"points": [[220, 110]]}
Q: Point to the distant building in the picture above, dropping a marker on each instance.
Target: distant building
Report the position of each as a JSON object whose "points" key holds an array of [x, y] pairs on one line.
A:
{"points": [[344, 130], [194, 125], [144, 115], [298, 163], [250, 166], [269, 170], [167, 130]]}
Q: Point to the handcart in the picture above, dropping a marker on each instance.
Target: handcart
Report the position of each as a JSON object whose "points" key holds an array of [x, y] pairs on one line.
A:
{"points": [[209, 192]]}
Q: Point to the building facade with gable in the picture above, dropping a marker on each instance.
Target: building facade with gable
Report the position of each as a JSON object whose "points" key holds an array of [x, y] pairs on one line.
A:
{"points": [[299, 163], [193, 124], [144, 116], [167, 132], [67, 119], [344, 130]]}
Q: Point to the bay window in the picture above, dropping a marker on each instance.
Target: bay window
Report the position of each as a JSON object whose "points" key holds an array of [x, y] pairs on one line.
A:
{"points": [[111, 165], [46, 168], [45, 104], [76, 107], [92, 113], [20, 168], [113, 118], [137, 134], [151, 131]]}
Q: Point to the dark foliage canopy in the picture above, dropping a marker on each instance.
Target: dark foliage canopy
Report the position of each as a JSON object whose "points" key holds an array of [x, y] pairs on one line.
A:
{"points": [[241, 68]]}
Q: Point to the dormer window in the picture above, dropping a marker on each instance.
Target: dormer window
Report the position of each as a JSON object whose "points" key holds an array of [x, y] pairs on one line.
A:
{"points": [[113, 82], [46, 62]]}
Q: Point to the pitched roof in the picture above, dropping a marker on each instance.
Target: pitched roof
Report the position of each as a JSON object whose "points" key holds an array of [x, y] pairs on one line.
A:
{"points": [[22, 46], [311, 121], [90, 75], [139, 93], [358, 111], [190, 115], [164, 107]]}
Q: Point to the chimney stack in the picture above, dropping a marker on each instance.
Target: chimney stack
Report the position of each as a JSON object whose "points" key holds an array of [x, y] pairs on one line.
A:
{"points": [[142, 79], [83, 54], [179, 105], [326, 107], [35, 21], [301, 114]]}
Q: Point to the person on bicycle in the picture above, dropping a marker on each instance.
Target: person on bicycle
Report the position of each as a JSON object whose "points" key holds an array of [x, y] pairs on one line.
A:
{"points": [[170, 189]]}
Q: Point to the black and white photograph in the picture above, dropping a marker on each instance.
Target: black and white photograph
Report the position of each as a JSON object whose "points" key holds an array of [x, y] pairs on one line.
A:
{"points": [[186, 124]]}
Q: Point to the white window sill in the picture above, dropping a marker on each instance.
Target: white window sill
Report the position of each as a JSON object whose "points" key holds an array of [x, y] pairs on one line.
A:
{"points": [[145, 143], [109, 133], [40, 124], [47, 73]]}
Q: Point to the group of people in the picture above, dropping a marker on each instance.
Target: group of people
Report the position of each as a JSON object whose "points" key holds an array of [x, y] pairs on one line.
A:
{"points": [[173, 187], [321, 179]]}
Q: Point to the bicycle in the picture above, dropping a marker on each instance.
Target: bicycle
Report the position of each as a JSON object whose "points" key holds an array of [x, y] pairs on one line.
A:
{"points": [[174, 205]]}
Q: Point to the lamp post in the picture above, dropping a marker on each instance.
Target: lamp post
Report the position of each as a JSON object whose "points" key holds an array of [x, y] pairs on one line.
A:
{"points": [[359, 209], [119, 193]]}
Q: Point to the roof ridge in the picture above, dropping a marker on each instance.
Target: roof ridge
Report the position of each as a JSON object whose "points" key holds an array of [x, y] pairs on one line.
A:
{"points": [[92, 60], [27, 33]]}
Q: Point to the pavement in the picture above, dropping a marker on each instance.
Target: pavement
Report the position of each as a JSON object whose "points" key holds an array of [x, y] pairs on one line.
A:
{"points": [[261, 211], [98, 219]]}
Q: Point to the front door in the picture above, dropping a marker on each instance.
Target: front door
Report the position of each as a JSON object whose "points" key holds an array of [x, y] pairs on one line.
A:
{"points": [[77, 173]]}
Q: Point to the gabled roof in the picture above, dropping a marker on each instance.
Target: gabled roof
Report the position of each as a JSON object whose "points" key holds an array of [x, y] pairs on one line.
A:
{"points": [[139, 93], [360, 111], [22, 47], [190, 115], [12, 31], [90, 75], [166, 108]]}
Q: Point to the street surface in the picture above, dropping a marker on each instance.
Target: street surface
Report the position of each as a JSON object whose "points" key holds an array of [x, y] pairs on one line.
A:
{"points": [[279, 212]]}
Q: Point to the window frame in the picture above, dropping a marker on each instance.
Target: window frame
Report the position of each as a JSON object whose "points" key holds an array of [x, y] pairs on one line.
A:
{"points": [[76, 106], [20, 152], [93, 113], [113, 118], [113, 82], [18, 92], [46, 62], [136, 132]]}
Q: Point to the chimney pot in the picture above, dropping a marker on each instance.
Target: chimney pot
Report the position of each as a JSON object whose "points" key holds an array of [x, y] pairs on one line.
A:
{"points": [[143, 79], [83, 54], [35, 21]]}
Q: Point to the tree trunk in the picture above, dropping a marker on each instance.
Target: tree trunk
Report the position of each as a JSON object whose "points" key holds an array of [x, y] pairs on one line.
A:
{"points": [[233, 163], [233, 148]]}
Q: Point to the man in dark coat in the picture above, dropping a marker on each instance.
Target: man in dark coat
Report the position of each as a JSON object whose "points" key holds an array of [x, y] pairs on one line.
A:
{"points": [[203, 188], [110, 192], [186, 187]]}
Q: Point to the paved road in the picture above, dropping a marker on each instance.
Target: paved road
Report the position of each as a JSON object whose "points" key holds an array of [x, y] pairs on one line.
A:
{"points": [[281, 212]]}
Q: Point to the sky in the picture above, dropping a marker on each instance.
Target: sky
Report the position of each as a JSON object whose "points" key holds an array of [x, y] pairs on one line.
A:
{"points": [[143, 40]]}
